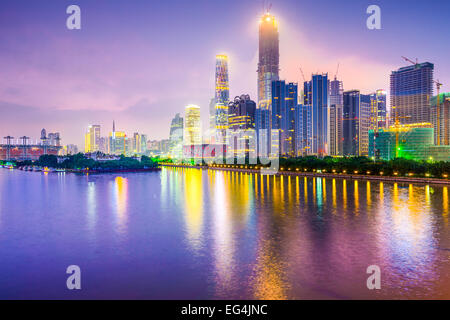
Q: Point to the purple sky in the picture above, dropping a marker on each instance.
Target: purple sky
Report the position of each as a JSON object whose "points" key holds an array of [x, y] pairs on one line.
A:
{"points": [[140, 62]]}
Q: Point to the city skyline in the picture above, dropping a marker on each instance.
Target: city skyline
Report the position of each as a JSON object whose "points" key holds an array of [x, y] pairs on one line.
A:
{"points": [[66, 98]]}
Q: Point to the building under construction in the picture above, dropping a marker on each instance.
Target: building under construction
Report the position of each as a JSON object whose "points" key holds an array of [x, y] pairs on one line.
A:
{"points": [[409, 141]]}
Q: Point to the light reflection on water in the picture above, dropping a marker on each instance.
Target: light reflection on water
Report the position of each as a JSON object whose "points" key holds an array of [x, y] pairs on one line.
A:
{"points": [[187, 233]]}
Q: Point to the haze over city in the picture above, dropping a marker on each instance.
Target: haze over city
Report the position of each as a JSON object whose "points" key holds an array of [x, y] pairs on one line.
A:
{"points": [[133, 64]]}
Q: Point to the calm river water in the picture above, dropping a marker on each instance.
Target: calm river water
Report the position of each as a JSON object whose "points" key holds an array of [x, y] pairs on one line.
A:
{"points": [[192, 234]]}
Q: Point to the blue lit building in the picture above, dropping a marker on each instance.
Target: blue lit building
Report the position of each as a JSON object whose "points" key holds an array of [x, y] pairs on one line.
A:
{"points": [[284, 102], [316, 95], [303, 130]]}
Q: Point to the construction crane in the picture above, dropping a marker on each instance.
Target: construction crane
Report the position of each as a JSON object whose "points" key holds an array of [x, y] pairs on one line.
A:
{"points": [[301, 71], [410, 61], [397, 128]]}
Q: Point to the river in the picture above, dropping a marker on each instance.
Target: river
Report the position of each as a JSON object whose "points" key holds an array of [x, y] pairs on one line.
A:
{"points": [[190, 234]]}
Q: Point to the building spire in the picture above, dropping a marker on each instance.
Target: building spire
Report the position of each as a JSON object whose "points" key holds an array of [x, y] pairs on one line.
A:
{"points": [[114, 126]]}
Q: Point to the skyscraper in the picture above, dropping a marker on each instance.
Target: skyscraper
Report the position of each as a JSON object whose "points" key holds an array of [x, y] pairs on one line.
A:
{"points": [[356, 120], [192, 125], [284, 102], [269, 59], [336, 129], [411, 91], [378, 112], [303, 130], [222, 97], [92, 139], [335, 114], [176, 137], [242, 138], [117, 141], [316, 95]]}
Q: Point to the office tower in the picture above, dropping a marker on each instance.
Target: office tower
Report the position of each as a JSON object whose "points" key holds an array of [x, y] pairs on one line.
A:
{"points": [[136, 141], [316, 95], [92, 137], [176, 136], [284, 102], [143, 144], [192, 125], [212, 120], [268, 71], [440, 118], [336, 129], [411, 91], [356, 121], [221, 98], [269, 59], [303, 130], [242, 135], [117, 141], [335, 114], [378, 111]]}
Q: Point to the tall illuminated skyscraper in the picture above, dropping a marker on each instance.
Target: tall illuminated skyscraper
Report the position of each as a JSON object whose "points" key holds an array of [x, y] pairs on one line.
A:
{"points": [[192, 125], [222, 97], [268, 71], [269, 59], [92, 139]]}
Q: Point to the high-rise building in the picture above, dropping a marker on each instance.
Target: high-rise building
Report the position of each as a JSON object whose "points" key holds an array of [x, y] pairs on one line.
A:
{"points": [[92, 139], [378, 110], [336, 128], [440, 118], [411, 91], [303, 130], [222, 97], [316, 95], [117, 142], [136, 148], [242, 134], [143, 144], [176, 137], [192, 125], [269, 59], [356, 120], [284, 102]]}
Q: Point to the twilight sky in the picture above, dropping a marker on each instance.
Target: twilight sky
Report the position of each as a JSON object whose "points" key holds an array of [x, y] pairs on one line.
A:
{"points": [[141, 61]]}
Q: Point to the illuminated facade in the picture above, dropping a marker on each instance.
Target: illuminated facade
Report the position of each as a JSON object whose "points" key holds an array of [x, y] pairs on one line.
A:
{"points": [[303, 130], [316, 94], [222, 97], [378, 111], [356, 120], [192, 125], [335, 112], [411, 91], [117, 142], [410, 141], [242, 134], [92, 139], [440, 118], [284, 102], [268, 71]]}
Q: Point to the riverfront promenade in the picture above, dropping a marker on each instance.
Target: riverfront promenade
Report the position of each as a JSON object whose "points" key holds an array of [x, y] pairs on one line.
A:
{"points": [[285, 172]]}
